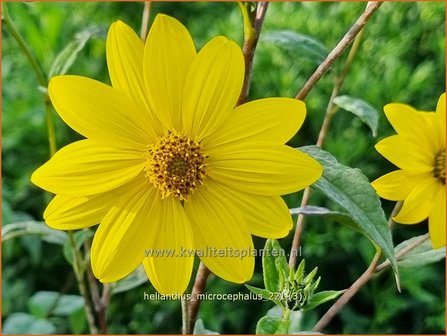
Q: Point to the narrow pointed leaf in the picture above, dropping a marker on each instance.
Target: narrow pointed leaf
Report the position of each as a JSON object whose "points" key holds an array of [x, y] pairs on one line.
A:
{"points": [[421, 255], [65, 59], [322, 297], [336, 216], [267, 295]]}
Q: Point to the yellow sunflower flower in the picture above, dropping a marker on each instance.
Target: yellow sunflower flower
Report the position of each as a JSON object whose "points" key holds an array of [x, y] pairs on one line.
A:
{"points": [[170, 165], [418, 150]]}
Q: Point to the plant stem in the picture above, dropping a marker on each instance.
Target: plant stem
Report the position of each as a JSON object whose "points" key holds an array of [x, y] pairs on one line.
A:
{"points": [[79, 270], [198, 288], [100, 303], [364, 278], [331, 109], [145, 20], [350, 292], [50, 127], [253, 21], [371, 7], [185, 316], [38, 72], [403, 252], [24, 47]]}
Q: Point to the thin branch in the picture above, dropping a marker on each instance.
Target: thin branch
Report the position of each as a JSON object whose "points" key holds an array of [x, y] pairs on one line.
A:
{"points": [[403, 252], [339, 49], [79, 272], [198, 288], [364, 278], [252, 28], [331, 109], [350, 292], [185, 315], [145, 20]]}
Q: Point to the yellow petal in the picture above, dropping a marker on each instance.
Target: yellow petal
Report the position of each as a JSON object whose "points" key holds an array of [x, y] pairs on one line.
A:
{"points": [[170, 272], [417, 206], [125, 62], [85, 168], [78, 212], [416, 125], [212, 87], [75, 212], [437, 219], [397, 185], [263, 168], [406, 154], [440, 115], [124, 234], [168, 55], [99, 112], [266, 216], [271, 119], [218, 226]]}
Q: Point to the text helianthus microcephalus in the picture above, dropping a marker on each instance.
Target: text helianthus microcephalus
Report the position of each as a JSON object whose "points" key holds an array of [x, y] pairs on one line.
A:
{"points": [[169, 163], [418, 150]]}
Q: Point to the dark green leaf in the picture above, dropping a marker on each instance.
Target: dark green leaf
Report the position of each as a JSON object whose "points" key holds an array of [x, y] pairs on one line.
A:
{"points": [[21, 323], [321, 297], [47, 234], [269, 325], [199, 329], [340, 217], [134, 279], [45, 303], [65, 59], [80, 237], [350, 189], [368, 114], [301, 46], [272, 251], [267, 295], [422, 254]]}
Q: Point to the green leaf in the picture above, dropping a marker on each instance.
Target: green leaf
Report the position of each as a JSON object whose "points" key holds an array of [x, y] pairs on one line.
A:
{"points": [[133, 280], [45, 303], [65, 59], [422, 254], [301, 46], [14, 230], [272, 251], [368, 114], [22, 323], [350, 189], [300, 271], [199, 329], [269, 325], [321, 297], [336, 216], [260, 291], [80, 237]]}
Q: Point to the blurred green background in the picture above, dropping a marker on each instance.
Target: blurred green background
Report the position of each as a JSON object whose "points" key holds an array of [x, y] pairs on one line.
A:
{"points": [[401, 59]]}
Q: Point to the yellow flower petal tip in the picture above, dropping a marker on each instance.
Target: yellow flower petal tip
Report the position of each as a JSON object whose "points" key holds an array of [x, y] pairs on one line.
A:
{"points": [[419, 150], [169, 163]]}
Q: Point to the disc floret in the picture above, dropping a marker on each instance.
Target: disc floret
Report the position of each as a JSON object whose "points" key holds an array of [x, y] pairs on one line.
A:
{"points": [[176, 165]]}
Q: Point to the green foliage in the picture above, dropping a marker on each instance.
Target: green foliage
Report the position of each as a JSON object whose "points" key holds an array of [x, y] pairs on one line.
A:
{"points": [[350, 189], [291, 290], [401, 59], [368, 114], [272, 326]]}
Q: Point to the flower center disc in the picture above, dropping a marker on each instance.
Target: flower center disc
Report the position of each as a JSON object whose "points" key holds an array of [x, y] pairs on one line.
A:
{"points": [[439, 167], [175, 165]]}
